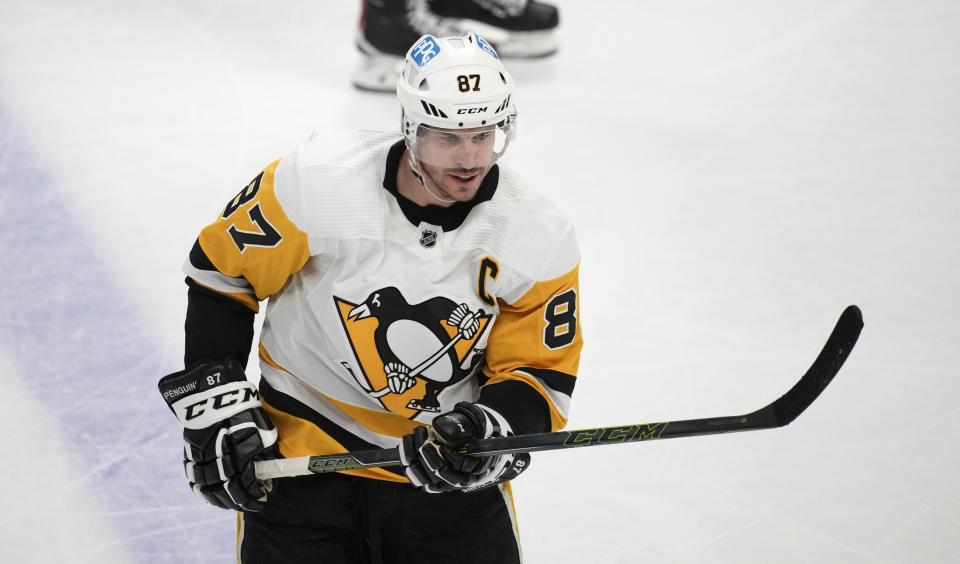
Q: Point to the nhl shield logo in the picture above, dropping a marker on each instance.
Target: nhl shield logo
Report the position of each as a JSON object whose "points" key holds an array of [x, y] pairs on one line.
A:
{"points": [[428, 238]]}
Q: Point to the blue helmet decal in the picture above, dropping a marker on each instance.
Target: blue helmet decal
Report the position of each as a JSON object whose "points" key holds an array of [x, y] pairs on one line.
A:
{"points": [[424, 50], [483, 44]]}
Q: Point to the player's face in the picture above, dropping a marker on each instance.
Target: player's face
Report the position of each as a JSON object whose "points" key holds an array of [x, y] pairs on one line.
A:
{"points": [[456, 161]]}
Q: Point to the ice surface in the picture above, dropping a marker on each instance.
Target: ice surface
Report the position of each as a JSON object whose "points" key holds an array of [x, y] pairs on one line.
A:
{"points": [[738, 172]]}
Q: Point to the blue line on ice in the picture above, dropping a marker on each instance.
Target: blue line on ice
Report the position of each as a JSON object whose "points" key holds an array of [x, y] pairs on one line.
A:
{"points": [[80, 348]]}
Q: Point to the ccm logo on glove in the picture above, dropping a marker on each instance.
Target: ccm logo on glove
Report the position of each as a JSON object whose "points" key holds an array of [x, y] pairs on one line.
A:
{"points": [[207, 399], [220, 401]]}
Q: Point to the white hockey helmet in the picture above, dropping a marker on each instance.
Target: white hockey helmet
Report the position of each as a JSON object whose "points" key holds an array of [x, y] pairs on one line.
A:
{"points": [[455, 83]]}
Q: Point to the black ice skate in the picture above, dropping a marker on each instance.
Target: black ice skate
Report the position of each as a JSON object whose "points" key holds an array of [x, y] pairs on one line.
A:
{"points": [[517, 28]]}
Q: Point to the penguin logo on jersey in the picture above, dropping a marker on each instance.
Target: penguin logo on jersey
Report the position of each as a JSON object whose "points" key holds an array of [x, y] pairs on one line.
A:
{"points": [[408, 353]]}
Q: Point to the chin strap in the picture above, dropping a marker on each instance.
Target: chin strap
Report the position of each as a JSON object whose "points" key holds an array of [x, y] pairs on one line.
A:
{"points": [[415, 168]]}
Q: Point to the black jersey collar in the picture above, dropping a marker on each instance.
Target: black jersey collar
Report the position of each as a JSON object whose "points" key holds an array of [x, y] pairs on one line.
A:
{"points": [[448, 218]]}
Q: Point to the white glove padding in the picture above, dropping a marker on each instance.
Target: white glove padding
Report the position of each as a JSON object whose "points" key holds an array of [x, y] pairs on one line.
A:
{"points": [[431, 460], [225, 432]]}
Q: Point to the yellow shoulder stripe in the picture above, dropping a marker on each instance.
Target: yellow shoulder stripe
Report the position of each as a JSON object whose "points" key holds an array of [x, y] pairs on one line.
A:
{"points": [[254, 238]]}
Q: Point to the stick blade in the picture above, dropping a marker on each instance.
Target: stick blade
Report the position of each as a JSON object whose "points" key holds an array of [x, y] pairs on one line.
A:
{"points": [[824, 368]]}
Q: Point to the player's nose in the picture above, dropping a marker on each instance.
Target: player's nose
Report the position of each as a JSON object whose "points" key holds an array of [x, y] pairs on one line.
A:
{"points": [[467, 156]]}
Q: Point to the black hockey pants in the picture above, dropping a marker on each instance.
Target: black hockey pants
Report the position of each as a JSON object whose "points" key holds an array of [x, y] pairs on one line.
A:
{"points": [[340, 519]]}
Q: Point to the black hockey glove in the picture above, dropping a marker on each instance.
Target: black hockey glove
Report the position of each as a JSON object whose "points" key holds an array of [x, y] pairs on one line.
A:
{"points": [[431, 460], [225, 431]]}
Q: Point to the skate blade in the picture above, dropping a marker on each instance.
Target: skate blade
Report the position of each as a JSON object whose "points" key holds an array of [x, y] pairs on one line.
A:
{"points": [[515, 44]]}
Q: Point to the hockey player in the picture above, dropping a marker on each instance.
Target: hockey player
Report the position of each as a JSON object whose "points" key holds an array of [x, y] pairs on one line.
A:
{"points": [[517, 28], [421, 295]]}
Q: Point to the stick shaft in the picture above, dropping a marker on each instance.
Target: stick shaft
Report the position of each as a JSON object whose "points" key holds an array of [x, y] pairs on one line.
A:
{"points": [[776, 414]]}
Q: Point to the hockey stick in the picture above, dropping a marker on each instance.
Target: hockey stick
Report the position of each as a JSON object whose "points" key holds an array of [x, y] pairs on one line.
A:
{"points": [[777, 414]]}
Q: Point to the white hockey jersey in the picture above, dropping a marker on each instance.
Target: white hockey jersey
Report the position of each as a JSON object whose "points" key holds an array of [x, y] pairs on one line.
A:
{"points": [[378, 319]]}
